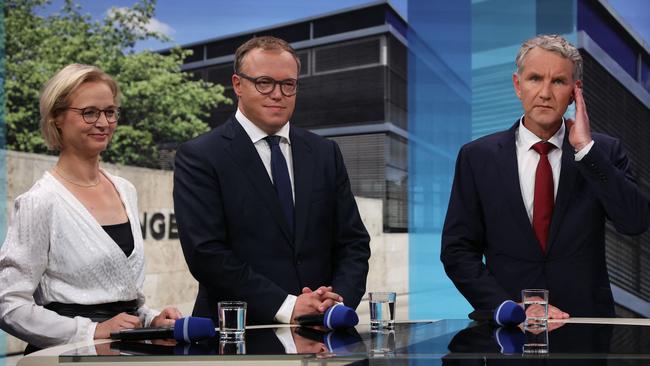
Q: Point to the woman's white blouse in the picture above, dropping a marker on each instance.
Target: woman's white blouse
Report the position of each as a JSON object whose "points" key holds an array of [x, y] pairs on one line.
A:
{"points": [[55, 251]]}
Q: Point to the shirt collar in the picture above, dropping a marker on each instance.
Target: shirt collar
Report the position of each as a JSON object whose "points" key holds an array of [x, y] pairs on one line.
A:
{"points": [[527, 139], [255, 133]]}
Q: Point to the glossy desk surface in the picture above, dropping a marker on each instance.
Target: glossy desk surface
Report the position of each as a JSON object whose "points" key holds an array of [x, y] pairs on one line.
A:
{"points": [[443, 342]]}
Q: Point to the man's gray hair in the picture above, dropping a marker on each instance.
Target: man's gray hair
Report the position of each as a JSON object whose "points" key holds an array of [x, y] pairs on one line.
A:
{"points": [[553, 43]]}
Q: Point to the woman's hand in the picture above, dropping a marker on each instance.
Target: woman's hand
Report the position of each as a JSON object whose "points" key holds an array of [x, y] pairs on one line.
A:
{"points": [[166, 318], [115, 324]]}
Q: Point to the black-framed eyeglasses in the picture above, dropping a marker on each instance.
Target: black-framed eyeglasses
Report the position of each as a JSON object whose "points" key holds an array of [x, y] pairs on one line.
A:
{"points": [[266, 84], [91, 115]]}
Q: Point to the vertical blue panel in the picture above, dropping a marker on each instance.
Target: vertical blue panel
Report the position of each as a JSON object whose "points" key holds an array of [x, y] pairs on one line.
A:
{"points": [[499, 27], [461, 60], [501, 23], [3, 165], [439, 123]]}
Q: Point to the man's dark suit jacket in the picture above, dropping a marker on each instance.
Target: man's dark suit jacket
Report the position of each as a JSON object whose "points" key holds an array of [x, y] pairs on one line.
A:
{"points": [[235, 239], [487, 217]]}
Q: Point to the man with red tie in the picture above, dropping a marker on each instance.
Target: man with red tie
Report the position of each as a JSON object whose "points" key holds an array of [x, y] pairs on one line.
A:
{"points": [[533, 200]]}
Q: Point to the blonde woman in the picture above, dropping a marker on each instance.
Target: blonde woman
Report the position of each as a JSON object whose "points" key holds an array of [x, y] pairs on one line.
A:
{"points": [[72, 264]]}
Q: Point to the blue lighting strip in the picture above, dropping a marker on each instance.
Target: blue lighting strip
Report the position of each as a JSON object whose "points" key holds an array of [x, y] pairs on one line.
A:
{"points": [[439, 107]]}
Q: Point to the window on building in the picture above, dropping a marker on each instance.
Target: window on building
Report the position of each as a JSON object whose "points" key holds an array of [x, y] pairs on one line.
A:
{"points": [[347, 55]]}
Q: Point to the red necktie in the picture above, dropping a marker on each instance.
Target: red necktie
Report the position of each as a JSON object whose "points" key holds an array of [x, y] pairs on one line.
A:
{"points": [[543, 200]]}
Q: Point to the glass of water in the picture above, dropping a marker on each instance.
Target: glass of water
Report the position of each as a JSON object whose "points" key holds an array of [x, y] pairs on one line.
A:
{"points": [[232, 347], [382, 310], [536, 307], [382, 343], [536, 342], [232, 320]]}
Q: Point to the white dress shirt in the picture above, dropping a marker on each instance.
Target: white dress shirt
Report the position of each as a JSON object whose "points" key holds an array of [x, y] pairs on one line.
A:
{"points": [[286, 338], [257, 137], [56, 251], [527, 160], [283, 315]]}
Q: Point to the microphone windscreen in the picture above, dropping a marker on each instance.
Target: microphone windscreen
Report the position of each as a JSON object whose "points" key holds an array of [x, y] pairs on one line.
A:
{"points": [[511, 340], [191, 329], [340, 316], [509, 313], [341, 341], [337, 340]]}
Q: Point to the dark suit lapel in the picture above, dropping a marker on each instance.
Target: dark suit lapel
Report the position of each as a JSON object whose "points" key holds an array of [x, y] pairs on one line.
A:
{"points": [[303, 171], [243, 152], [568, 173], [509, 172]]}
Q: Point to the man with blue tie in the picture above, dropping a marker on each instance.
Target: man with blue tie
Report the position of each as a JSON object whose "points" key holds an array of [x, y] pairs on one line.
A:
{"points": [[264, 209], [528, 205]]}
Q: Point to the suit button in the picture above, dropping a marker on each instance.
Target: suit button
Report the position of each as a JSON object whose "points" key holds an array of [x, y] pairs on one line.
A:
{"points": [[298, 262]]}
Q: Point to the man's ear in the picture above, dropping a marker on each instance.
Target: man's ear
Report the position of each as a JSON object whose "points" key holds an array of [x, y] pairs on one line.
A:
{"points": [[236, 84], [516, 84]]}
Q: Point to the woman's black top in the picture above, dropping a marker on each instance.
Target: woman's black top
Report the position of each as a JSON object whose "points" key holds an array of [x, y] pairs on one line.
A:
{"points": [[122, 235]]}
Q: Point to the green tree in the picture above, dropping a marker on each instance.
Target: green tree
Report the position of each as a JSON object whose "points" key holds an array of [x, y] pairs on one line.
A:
{"points": [[160, 103], [2, 78]]}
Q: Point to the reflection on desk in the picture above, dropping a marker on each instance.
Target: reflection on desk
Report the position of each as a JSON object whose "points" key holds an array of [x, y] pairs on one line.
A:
{"points": [[448, 342], [307, 340], [568, 344]]}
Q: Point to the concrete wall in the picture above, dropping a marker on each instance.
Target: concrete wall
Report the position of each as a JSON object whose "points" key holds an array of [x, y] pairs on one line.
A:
{"points": [[168, 281]]}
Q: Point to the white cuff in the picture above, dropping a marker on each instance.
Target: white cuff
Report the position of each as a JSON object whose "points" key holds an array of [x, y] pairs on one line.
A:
{"points": [[286, 338], [90, 336], [584, 151], [286, 309]]}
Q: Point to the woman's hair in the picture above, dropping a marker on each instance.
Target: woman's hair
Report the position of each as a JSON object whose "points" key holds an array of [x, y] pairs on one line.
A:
{"points": [[55, 97]]}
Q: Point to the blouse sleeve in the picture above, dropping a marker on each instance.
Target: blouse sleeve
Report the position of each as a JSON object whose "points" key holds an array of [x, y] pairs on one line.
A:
{"points": [[145, 314], [23, 260]]}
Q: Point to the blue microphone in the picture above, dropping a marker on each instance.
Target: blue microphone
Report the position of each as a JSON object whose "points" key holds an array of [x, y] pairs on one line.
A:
{"points": [[337, 316], [509, 313], [339, 341], [189, 329], [193, 329], [511, 340]]}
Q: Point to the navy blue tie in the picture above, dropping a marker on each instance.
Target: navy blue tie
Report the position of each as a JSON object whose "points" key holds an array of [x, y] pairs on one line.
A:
{"points": [[281, 180]]}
